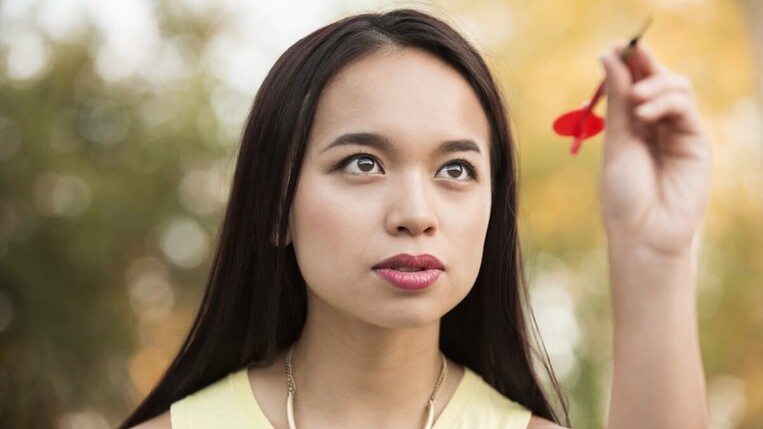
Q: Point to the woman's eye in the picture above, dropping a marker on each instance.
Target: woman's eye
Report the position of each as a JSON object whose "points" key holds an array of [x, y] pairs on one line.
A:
{"points": [[361, 164], [462, 170], [364, 164]]}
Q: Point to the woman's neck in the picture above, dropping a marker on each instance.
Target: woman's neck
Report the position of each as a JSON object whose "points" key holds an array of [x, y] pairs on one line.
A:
{"points": [[346, 369]]}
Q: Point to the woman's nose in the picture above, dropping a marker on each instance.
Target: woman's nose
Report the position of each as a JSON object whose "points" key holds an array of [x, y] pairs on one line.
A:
{"points": [[411, 208]]}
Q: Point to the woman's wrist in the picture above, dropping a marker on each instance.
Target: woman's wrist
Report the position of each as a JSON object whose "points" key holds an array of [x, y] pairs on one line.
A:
{"points": [[650, 289], [639, 253]]}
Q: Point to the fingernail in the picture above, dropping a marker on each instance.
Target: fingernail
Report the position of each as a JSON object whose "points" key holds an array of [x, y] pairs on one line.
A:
{"points": [[644, 110], [642, 88]]}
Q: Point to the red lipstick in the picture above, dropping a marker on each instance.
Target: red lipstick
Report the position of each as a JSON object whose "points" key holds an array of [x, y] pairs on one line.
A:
{"points": [[410, 272]]}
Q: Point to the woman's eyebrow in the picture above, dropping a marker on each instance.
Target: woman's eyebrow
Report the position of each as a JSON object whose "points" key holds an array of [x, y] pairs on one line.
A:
{"points": [[382, 143]]}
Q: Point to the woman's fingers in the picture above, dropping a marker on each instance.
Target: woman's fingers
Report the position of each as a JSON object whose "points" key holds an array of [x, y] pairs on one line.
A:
{"points": [[641, 65], [657, 84], [640, 94], [618, 84], [643, 60], [666, 95], [670, 103], [647, 88]]}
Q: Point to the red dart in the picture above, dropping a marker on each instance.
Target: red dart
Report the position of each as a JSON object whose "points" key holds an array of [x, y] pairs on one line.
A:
{"points": [[583, 123]]}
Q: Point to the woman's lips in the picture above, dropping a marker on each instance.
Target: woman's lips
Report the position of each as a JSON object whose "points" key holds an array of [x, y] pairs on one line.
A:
{"points": [[413, 280], [425, 261]]}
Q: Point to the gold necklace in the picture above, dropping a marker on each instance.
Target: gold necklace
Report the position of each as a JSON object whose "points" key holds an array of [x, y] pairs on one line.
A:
{"points": [[292, 389]]}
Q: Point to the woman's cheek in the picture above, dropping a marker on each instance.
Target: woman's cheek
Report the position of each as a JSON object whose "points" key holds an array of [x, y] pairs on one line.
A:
{"points": [[471, 239], [331, 221]]}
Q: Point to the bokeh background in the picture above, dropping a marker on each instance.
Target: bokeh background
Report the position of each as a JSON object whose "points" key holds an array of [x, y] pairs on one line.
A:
{"points": [[119, 122]]}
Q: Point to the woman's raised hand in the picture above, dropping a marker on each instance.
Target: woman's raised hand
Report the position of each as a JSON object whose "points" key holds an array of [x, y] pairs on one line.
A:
{"points": [[656, 171]]}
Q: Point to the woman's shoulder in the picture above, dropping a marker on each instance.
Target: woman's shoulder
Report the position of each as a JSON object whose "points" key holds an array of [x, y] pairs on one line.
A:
{"points": [[476, 404], [224, 400], [484, 406]]}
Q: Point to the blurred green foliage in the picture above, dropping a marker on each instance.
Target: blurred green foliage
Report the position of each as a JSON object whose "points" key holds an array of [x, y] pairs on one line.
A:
{"points": [[113, 178]]}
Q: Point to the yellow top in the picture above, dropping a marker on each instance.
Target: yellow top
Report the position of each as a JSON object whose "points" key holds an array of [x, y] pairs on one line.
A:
{"points": [[230, 403]]}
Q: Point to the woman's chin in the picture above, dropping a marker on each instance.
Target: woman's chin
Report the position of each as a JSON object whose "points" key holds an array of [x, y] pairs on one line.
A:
{"points": [[403, 316]]}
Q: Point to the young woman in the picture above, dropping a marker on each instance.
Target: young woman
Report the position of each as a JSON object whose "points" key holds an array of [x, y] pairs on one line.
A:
{"points": [[368, 272]]}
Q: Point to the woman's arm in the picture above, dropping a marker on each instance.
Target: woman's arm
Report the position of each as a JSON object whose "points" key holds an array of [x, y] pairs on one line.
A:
{"points": [[655, 185], [658, 380]]}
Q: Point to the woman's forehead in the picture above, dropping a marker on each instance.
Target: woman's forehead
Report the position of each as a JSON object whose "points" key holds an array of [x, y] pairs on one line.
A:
{"points": [[404, 93]]}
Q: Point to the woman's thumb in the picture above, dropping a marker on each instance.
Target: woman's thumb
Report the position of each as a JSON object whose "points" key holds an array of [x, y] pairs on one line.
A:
{"points": [[618, 83]]}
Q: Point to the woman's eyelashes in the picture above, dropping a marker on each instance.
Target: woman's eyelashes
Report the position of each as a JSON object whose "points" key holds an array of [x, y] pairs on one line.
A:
{"points": [[462, 166], [364, 163]]}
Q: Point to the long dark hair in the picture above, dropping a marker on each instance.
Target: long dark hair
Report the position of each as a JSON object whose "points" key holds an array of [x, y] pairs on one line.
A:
{"points": [[255, 302]]}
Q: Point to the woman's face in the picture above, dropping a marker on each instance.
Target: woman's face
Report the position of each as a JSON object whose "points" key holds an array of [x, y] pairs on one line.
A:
{"points": [[398, 188]]}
